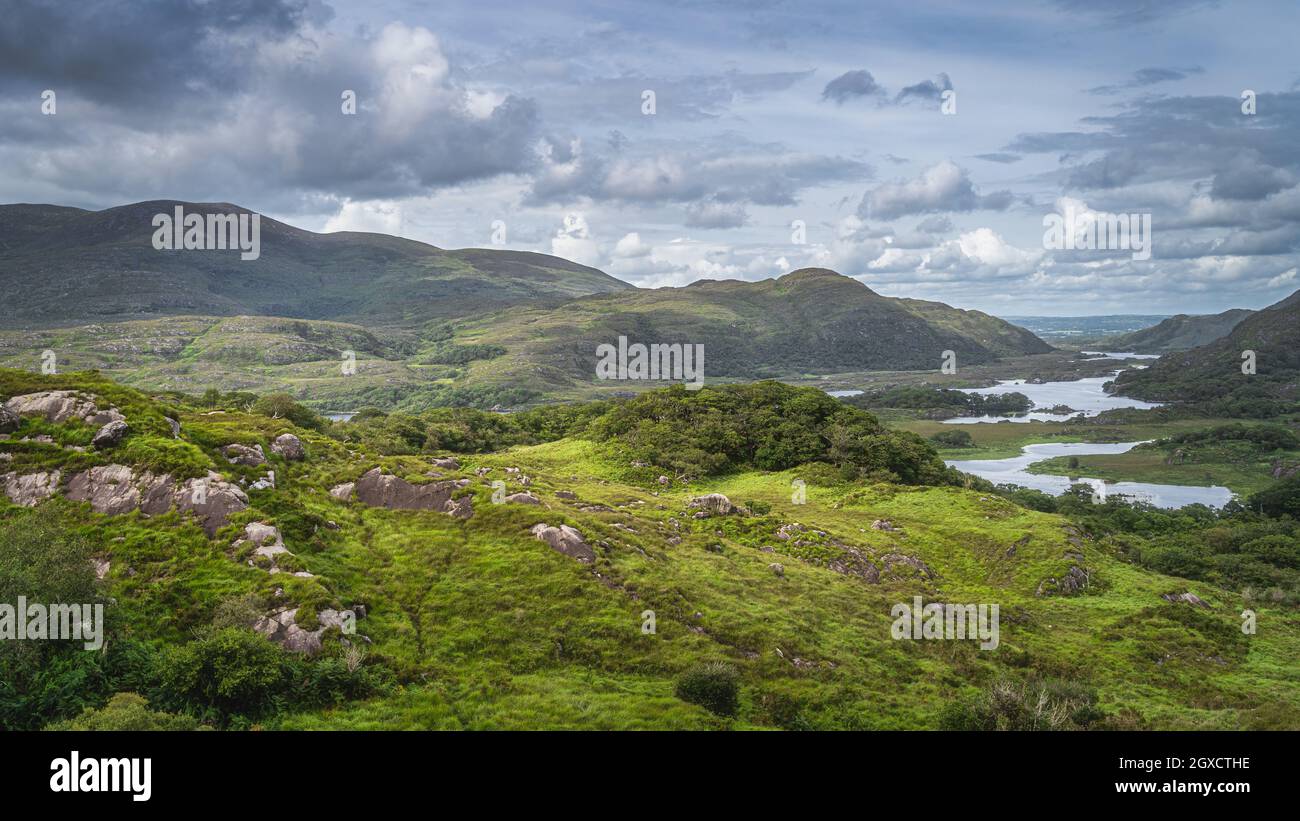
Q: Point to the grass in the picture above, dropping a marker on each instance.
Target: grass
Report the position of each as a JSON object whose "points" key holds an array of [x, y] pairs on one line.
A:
{"points": [[485, 627]]}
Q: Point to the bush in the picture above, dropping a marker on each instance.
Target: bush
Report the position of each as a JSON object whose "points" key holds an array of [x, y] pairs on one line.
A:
{"points": [[126, 711], [714, 686], [1032, 705], [953, 439], [225, 674]]}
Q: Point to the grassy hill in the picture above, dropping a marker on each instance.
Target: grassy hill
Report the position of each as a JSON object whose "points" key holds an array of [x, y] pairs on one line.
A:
{"points": [[475, 622], [805, 323], [1213, 373], [1177, 333], [106, 259]]}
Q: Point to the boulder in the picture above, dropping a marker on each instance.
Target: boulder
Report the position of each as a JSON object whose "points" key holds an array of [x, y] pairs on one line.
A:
{"points": [[289, 446], [282, 628], [9, 421], [175, 426], [777, 569], [1189, 598], [60, 406], [238, 454], [714, 504], [211, 499], [523, 499], [565, 494], [31, 489], [110, 489], [446, 463], [883, 524], [378, 489], [343, 492], [566, 540], [110, 434]]}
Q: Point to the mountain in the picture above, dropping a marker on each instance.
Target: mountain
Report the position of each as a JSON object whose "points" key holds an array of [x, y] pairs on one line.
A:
{"points": [[1177, 333], [62, 266], [1214, 371], [809, 321]]}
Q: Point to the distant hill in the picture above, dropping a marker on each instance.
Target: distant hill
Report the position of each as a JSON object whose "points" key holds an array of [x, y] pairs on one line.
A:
{"points": [[1080, 328], [1177, 333], [809, 321], [1214, 371], [62, 266]]}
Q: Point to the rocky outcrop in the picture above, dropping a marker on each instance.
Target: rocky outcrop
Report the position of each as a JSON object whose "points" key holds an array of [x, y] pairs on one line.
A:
{"points": [[777, 569], [714, 504], [117, 489], [281, 627], [1072, 583], [379, 489], [31, 489], [343, 492], [9, 421], [523, 499], [238, 454], [446, 463], [883, 524], [893, 561], [566, 540], [268, 546], [60, 406], [565, 494], [110, 434], [290, 447], [1187, 598], [211, 499]]}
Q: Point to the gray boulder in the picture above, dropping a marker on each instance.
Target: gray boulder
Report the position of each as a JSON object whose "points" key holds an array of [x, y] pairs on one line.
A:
{"points": [[9, 421], [238, 454], [378, 489], [31, 489], [714, 504], [60, 406], [289, 446], [566, 540], [110, 434]]}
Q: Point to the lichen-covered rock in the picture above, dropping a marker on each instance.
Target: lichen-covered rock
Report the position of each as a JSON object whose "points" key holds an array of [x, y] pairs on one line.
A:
{"points": [[566, 540], [565, 494], [778, 569], [110, 489], [883, 524], [523, 499], [1072, 583], [9, 421], [211, 499], [713, 504], [894, 560], [281, 627], [378, 489], [446, 463], [1188, 598], [110, 434], [343, 492], [31, 489], [290, 447], [60, 406], [238, 454]]}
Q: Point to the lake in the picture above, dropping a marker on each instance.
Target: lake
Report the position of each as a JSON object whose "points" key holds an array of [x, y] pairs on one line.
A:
{"points": [[1015, 471], [1086, 396]]}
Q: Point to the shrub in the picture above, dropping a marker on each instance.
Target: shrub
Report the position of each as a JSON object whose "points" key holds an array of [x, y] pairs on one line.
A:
{"points": [[230, 672], [714, 686], [126, 711], [953, 439], [1032, 705]]}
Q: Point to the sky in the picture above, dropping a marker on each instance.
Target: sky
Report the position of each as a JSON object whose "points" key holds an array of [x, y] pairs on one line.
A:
{"points": [[920, 147]]}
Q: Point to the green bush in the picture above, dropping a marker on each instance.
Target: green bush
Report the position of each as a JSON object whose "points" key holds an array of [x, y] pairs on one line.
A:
{"points": [[953, 439], [714, 686], [126, 711], [225, 674]]}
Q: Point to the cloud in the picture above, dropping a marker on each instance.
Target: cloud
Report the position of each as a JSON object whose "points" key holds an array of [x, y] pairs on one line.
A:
{"points": [[1144, 77], [853, 85], [941, 187], [926, 90]]}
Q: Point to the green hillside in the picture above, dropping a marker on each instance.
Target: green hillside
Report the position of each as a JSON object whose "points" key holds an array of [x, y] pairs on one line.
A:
{"points": [[1177, 333], [769, 610]]}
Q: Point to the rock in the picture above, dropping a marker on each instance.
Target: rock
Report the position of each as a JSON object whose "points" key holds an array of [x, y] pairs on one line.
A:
{"points": [[565, 494], [890, 560], [778, 569], [9, 421], [110, 434], [482, 471], [378, 489], [461, 508], [1189, 598], [238, 454], [343, 492], [267, 482], [788, 531], [175, 426], [281, 627], [525, 481], [211, 499], [523, 499], [664, 480], [883, 524], [60, 406], [1073, 582], [31, 489], [566, 540], [713, 504], [290, 447], [446, 463], [110, 489], [101, 568]]}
